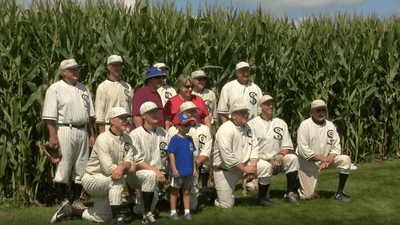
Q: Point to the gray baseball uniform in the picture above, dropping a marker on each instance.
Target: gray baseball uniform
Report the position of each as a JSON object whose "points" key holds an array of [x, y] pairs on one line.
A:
{"points": [[234, 92], [273, 136], [166, 92], [108, 153], [322, 140], [234, 145], [202, 140], [71, 108], [210, 99], [111, 94]]}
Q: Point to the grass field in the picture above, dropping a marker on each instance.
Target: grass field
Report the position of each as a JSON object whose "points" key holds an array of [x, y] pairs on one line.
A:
{"points": [[374, 191]]}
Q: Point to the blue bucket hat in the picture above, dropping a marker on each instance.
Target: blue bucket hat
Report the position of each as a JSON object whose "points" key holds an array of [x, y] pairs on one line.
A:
{"points": [[154, 72]]}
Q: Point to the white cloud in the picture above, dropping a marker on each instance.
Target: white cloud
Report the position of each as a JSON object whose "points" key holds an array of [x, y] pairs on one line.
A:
{"points": [[280, 7]]}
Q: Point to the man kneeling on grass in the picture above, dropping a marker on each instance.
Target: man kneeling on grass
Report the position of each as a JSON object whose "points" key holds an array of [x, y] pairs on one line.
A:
{"points": [[111, 158], [318, 147]]}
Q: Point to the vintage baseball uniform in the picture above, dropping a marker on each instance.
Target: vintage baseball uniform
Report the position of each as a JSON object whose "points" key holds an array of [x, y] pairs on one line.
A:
{"points": [[71, 107], [234, 145], [210, 99], [323, 140], [172, 108], [108, 153], [234, 92], [166, 92], [111, 94], [273, 136], [202, 140]]}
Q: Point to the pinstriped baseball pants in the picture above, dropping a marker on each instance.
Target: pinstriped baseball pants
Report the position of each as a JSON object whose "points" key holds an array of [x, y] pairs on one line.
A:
{"points": [[225, 182], [146, 181], [309, 173], [74, 145], [106, 193]]}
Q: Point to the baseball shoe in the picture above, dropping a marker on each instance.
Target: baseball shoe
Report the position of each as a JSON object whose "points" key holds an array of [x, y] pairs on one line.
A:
{"points": [[341, 196], [78, 205], [187, 216], [64, 210], [267, 202], [149, 219], [174, 217], [291, 198], [119, 220]]}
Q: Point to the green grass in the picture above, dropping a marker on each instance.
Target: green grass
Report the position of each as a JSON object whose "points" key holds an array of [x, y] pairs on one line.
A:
{"points": [[373, 189]]}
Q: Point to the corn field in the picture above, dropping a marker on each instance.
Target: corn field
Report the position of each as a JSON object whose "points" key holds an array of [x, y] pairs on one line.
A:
{"points": [[352, 62]]}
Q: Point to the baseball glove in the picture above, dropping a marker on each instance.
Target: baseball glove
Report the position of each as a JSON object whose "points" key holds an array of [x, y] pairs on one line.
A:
{"points": [[250, 188], [53, 155]]}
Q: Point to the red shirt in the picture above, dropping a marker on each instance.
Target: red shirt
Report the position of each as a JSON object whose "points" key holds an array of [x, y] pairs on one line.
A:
{"points": [[143, 95], [172, 108]]}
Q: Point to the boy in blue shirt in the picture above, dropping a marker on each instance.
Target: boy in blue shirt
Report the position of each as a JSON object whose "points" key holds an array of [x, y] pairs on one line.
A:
{"points": [[180, 149]]}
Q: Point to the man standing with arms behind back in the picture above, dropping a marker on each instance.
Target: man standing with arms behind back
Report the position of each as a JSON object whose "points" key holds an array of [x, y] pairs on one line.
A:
{"points": [[319, 148], [112, 92], [68, 113], [239, 91]]}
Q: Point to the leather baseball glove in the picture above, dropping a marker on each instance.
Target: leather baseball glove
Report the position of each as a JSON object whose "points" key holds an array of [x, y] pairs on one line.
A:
{"points": [[53, 155]]}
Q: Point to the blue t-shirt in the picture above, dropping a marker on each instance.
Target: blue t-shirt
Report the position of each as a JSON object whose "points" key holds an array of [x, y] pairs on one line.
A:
{"points": [[183, 149]]}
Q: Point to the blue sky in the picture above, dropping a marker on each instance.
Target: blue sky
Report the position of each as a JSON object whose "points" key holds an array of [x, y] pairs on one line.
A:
{"points": [[297, 9]]}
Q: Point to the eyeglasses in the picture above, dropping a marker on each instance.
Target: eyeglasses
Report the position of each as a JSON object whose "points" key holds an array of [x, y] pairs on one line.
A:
{"points": [[188, 86], [320, 110]]}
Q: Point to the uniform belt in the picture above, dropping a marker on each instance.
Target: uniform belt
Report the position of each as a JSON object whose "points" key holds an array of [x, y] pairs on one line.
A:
{"points": [[220, 168], [77, 126]]}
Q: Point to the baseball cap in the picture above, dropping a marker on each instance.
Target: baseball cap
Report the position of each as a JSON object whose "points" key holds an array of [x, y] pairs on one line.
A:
{"points": [[148, 106], [187, 105], [183, 119], [318, 103], [161, 65], [115, 60], [239, 107], [198, 73], [154, 72], [266, 98], [118, 112], [68, 64], [242, 65]]}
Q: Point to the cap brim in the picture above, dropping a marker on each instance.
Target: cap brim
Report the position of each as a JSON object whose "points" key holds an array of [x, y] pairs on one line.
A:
{"points": [[116, 63], [159, 75], [72, 67], [126, 114]]}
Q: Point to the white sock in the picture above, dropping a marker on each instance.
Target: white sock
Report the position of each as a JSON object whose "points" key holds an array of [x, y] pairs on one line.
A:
{"points": [[173, 212], [187, 211]]}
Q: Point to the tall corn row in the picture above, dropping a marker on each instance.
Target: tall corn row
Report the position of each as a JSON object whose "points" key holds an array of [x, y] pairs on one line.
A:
{"points": [[350, 62]]}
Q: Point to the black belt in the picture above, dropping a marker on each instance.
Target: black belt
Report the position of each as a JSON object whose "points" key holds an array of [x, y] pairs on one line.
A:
{"points": [[77, 126], [219, 168]]}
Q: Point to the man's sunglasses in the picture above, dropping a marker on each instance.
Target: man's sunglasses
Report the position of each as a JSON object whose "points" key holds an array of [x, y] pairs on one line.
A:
{"points": [[320, 109]]}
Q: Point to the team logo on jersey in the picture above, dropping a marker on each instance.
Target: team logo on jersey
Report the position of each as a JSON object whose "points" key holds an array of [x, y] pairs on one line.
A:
{"points": [[202, 141], [168, 95], [330, 137], [208, 103], [85, 98], [163, 149], [126, 91], [253, 99], [249, 133], [278, 131], [127, 146]]}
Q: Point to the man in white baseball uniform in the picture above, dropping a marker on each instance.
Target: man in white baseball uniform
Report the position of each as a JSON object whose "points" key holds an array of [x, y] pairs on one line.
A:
{"points": [[151, 143], [276, 146], [239, 91], [111, 158], [112, 92], [236, 154], [68, 113], [319, 148], [208, 96], [166, 92], [202, 140]]}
